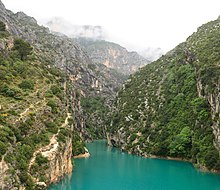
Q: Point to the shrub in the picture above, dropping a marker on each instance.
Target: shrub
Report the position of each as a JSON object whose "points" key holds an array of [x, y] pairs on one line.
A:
{"points": [[27, 84], [21, 68], [61, 138], [9, 92], [27, 180], [55, 89], [51, 127], [53, 105]]}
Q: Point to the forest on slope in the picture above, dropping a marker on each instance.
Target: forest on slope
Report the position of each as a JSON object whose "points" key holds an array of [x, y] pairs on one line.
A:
{"points": [[170, 108]]}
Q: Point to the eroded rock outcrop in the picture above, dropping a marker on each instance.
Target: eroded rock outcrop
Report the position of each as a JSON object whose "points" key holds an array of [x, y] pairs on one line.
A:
{"points": [[60, 159], [59, 156]]}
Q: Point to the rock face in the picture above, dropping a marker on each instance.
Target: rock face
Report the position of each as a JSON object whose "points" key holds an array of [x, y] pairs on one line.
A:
{"points": [[6, 45], [60, 161], [113, 55], [170, 108], [59, 156]]}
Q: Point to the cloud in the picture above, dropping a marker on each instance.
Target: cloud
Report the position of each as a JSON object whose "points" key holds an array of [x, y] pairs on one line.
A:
{"points": [[142, 23]]}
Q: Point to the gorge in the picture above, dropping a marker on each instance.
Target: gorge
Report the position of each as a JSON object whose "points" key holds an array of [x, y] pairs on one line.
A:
{"points": [[57, 93]]}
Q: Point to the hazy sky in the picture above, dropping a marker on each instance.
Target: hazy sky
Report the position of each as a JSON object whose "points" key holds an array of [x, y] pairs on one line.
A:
{"points": [[132, 23]]}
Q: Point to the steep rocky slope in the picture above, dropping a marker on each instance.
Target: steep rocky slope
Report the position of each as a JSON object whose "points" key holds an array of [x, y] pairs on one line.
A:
{"points": [[112, 55], [38, 126], [42, 89], [90, 79], [170, 108]]}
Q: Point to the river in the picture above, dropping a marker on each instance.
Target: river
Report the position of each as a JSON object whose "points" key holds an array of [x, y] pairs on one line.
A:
{"points": [[110, 169]]}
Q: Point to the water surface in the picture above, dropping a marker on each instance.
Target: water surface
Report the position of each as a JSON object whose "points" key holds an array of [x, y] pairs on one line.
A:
{"points": [[110, 169]]}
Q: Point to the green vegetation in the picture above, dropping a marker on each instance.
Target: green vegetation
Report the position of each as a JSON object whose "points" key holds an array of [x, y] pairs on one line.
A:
{"points": [[96, 113], [23, 48], [63, 134], [160, 111], [51, 103], [28, 116], [27, 84], [55, 89], [79, 145]]}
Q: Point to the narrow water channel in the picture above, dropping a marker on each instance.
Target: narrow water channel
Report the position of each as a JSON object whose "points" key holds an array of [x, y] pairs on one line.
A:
{"points": [[110, 169]]}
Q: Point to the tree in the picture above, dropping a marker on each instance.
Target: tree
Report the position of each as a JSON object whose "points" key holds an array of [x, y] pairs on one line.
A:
{"points": [[24, 48], [182, 141]]}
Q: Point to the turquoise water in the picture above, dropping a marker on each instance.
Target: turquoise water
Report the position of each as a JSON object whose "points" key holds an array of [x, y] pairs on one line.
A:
{"points": [[110, 169]]}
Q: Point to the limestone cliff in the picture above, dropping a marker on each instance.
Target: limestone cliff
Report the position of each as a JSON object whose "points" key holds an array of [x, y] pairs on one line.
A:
{"points": [[59, 157], [112, 55], [60, 161]]}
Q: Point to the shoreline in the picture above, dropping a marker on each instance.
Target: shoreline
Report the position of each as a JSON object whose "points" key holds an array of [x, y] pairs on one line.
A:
{"points": [[168, 158], [198, 166], [85, 155]]}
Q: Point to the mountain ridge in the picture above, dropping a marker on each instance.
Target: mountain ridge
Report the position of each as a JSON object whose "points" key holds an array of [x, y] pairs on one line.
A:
{"points": [[112, 55]]}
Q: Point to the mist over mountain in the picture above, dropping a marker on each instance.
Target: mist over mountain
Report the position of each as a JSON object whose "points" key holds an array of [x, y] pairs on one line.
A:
{"points": [[151, 54], [63, 26]]}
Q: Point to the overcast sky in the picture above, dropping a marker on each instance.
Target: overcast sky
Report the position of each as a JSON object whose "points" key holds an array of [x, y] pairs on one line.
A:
{"points": [[132, 23]]}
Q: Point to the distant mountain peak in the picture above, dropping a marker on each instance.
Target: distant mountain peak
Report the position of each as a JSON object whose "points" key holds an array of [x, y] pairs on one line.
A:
{"points": [[112, 55]]}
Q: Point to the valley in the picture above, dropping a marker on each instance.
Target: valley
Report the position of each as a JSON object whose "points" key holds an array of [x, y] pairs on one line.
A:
{"points": [[58, 93]]}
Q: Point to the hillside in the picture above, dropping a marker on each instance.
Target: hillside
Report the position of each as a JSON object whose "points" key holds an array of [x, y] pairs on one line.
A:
{"points": [[170, 108], [38, 130], [47, 85]]}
